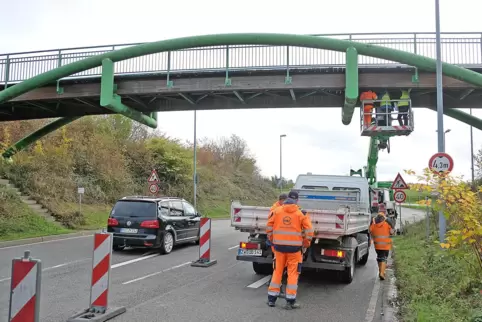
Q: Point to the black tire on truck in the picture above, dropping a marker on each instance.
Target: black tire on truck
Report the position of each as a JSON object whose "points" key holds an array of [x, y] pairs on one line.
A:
{"points": [[262, 269], [363, 261], [362, 238], [347, 275]]}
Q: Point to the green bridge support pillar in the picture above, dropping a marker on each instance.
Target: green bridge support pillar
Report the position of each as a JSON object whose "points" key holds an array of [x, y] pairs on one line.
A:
{"points": [[109, 99], [29, 139], [351, 85]]}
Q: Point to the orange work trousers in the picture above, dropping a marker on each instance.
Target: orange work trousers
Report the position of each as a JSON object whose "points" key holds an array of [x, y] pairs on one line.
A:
{"points": [[367, 114], [293, 261]]}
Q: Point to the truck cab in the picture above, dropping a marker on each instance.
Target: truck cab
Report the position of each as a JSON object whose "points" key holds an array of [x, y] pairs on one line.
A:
{"points": [[385, 196]]}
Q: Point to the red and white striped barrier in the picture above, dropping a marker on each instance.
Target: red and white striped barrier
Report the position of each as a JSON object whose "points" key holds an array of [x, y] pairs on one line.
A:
{"points": [[204, 245], [99, 287], [25, 289], [100, 282]]}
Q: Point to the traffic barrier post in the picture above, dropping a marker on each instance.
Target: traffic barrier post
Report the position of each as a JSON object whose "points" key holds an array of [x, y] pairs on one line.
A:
{"points": [[100, 283], [25, 289], [204, 245]]}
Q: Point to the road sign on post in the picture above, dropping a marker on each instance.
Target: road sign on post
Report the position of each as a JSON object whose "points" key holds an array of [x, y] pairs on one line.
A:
{"points": [[399, 183], [399, 196], [153, 178], [441, 163], [153, 188]]}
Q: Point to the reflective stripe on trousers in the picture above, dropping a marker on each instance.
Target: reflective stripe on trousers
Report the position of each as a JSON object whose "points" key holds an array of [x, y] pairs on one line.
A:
{"points": [[293, 262]]}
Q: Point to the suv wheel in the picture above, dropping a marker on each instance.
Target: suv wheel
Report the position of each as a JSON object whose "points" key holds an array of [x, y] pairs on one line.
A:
{"points": [[118, 248], [167, 243]]}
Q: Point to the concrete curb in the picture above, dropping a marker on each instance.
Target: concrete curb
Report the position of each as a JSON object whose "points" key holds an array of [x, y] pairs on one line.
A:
{"points": [[390, 303], [34, 240]]}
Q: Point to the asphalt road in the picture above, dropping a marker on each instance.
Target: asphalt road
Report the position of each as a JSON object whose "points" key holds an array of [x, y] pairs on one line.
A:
{"points": [[157, 287]]}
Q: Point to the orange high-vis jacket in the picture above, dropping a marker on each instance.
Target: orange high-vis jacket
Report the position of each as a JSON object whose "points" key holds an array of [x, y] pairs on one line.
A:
{"points": [[380, 232], [289, 227], [368, 95], [274, 206]]}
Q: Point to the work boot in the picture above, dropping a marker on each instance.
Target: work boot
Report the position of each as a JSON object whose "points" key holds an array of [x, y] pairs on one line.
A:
{"points": [[383, 265], [271, 304], [292, 305]]}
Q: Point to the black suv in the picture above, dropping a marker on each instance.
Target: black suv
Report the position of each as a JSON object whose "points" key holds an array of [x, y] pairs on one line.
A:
{"points": [[154, 222]]}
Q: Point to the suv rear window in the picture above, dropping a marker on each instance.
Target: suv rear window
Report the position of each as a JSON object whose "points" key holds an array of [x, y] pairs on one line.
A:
{"points": [[131, 208]]}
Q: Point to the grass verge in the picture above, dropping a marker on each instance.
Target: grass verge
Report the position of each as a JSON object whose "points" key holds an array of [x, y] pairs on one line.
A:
{"points": [[435, 285], [89, 216], [18, 221]]}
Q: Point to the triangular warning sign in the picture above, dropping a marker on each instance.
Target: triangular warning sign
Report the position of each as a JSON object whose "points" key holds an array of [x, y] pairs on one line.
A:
{"points": [[153, 178], [399, 183]]}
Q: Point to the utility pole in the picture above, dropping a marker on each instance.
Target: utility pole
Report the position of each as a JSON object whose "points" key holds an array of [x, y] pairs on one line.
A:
{"points": [[440, 113], [194, 179], [281, 161], [472, 153]]}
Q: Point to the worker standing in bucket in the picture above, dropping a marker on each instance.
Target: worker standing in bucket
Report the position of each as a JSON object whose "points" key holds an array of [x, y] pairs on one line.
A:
{"points": [[403, 106], [381, 231], [367, 106], [290, 232]]}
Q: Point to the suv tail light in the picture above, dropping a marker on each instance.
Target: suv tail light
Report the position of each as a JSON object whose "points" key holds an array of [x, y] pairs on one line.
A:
{"points": [[333, 253], [150, 224], [249, 245], [112, 222]]}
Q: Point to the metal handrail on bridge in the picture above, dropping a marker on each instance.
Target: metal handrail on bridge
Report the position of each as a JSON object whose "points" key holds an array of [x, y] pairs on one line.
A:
{"points": [[463, 49]]}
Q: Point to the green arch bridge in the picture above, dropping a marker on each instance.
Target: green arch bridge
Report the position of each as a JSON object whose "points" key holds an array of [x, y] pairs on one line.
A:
{"points": [[226, 71]]}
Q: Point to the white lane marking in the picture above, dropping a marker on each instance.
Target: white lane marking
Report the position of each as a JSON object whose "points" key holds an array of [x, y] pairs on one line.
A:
{"points": [[133, 260], [53, 267], [260, 283], [233, 247], [156, 273], [370, 316], [45, 242]]}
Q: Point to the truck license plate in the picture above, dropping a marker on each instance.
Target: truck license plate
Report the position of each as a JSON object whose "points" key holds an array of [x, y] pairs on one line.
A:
{"points": [[250, 252], [129, 230]]}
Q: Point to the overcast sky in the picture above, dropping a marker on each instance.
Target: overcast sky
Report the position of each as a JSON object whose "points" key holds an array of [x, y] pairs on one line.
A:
{"points": [[316, 139]]}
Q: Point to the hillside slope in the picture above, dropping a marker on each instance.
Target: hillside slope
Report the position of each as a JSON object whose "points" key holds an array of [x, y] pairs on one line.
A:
{"points": [[111, 156]]}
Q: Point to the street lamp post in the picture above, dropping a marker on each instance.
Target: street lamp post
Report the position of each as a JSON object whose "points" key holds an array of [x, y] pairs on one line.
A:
{"points": [[194, 179], [472, 152], [281, 161], [440, 104], [445, 132]]}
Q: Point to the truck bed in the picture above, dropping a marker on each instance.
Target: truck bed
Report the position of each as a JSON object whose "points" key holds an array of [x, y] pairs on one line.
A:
{"points": [[332, 213]]}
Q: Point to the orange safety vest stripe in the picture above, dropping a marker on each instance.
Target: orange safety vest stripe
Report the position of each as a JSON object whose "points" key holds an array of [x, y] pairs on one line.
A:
{"points": [[381, 235]]}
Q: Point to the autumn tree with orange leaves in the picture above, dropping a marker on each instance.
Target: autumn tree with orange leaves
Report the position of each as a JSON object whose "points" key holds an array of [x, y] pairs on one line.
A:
{"points": [[461, 206]]}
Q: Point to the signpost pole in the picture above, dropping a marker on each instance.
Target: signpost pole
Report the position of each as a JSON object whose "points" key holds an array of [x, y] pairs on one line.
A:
{"points": [[400, 213], [440, 104], [441, 164], [427, 219], [80, 191]]}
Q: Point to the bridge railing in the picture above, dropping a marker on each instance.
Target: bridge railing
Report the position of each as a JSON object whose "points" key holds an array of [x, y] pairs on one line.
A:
{"points": [[457, 48]]}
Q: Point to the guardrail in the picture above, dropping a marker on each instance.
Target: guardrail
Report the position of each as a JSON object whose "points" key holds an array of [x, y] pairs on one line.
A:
{"points": [[457, 48]]}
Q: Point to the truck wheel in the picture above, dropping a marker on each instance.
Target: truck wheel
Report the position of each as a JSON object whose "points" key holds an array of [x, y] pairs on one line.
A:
{"points": [[347, 275], [364, 259], [262, 269]]}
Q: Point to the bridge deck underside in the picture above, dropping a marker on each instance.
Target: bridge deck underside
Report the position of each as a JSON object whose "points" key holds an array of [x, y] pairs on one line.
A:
{"points": [[248, 90]]}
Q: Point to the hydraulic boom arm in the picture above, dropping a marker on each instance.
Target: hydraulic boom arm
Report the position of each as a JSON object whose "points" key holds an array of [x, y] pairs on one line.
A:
{"points": [[371, 170]]}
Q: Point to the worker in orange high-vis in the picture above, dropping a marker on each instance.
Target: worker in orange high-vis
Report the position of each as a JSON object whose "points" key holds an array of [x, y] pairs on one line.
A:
{"points": [[290, 232], [381, 231], [367, 107], [282, 197]]}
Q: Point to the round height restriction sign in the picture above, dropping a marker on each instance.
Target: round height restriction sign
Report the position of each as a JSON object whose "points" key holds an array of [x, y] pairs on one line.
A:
{"points": [[399, 196], [153, 188], [441, 163]]}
